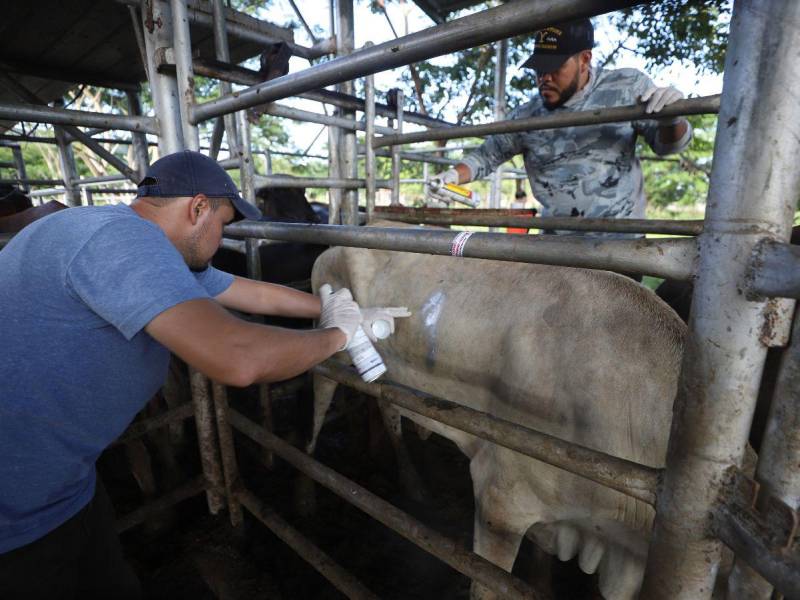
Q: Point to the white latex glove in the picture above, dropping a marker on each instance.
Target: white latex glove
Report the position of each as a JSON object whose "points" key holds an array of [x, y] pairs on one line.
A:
{"points": [[340, 311], [657, 98], [439, 181], [378, 323]]}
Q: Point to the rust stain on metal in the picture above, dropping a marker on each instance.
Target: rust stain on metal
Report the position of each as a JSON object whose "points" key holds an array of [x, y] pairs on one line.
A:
{"points": [[149, 23]]}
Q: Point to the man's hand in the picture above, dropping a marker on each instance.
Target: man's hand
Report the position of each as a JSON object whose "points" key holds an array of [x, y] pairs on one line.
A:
{"points": [[657, 98], [378, 323], [439, 181], [339, 310]]}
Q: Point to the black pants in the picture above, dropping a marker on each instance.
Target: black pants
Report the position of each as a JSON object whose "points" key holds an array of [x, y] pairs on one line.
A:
{"points": [[81, 559]]}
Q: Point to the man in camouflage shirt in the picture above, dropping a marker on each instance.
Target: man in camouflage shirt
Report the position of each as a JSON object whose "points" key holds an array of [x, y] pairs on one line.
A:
{"points": [[589, 171]]}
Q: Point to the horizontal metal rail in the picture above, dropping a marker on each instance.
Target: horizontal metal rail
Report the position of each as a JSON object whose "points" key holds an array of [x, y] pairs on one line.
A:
{"points": [[62, 116], [751, 541], [670, 258], [690, 106], [519, 218], [16, 181], [464, 561], [290, 181], [188, 490], [775, 270], [504, 21], [31, 139], [341, 579], [290, 112], [632, 479], [8, 165], [141, 428]]}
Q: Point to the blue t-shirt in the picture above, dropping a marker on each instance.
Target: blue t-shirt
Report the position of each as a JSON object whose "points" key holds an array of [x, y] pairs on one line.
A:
{"points": [[76, 290]]}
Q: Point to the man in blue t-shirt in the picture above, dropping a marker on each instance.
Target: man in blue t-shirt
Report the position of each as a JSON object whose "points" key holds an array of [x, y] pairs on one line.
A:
{"points": [[93, 301]]}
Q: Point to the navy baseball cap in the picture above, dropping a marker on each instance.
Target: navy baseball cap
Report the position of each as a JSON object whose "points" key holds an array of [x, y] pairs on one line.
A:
{"points": [[189, 173], [555, 44]]}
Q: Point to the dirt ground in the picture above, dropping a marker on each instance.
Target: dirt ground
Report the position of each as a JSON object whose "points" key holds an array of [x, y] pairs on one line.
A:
{"points": [[189, 554]]}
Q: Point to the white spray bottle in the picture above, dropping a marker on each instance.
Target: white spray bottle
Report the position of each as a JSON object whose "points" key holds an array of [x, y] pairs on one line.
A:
{"points": [[366, 359]]}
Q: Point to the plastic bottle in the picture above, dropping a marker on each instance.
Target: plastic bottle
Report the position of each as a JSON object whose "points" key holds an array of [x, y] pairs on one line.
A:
{"points": [[366, 359]]}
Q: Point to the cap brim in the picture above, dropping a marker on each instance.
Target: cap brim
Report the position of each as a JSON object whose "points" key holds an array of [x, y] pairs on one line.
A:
{"points": [[545, 63], [245, 210]]}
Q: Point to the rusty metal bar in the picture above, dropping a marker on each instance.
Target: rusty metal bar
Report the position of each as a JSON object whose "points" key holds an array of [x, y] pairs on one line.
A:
{"points": [[632, 479], [324, 564], [141, 428], [524, 218], [62, 116], [668, 257], [775, 270], [207, 440], [140, 515], [464, 561], [617, 114], [230, 469], [316, 182]]}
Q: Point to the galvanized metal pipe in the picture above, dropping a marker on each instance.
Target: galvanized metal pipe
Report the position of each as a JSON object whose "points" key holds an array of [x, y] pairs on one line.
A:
{"points": [[182, 48], [290, 112], [341, 579], [315, 182], [62, 116], [468, 563], [522, 218], [32, 139], [753, 194], [395, 201], [19, 163], [348, 156], [140, 154], [668, 258], [507, 20], [369, 151], [140, 515], [30, 182], [775, 270], [247, 168], [630, 478], [69, 171], [207, 442], [689, 106], [157, 21], [501, 59]]}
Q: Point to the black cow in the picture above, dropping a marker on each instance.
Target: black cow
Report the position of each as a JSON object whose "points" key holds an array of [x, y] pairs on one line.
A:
{"points": [[13, 200]]}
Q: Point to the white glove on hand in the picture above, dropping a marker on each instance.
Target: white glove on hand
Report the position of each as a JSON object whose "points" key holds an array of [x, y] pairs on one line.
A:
{"points": [[378, 323], [657, 98], [340, 311], [439, 181]]}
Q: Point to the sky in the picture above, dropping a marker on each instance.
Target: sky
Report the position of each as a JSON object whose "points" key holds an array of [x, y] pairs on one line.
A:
{"points": [[373, 27]]}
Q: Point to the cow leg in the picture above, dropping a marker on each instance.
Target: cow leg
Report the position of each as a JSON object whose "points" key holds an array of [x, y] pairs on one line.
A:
{"points": [[502, 516], [409, 476], [305, 499]]}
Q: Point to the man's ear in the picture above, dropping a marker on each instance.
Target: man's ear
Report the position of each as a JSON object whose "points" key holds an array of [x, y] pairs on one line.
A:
{"points": [[199, 205], [585, 59]]}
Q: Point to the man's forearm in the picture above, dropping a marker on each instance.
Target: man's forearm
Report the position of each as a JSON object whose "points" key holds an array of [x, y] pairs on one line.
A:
{"points": [[669, 134], [464, 173], [262, 298], [285, 353]]}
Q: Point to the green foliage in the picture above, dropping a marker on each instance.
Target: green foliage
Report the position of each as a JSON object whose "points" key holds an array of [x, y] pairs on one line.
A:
{"points": [[695, 31]]}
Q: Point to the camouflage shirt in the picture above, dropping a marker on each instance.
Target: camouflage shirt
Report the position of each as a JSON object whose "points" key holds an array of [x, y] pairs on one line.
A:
{"points": [[589, 171]]}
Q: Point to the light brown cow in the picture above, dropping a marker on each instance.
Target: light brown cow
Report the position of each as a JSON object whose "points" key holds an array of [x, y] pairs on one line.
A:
{"points": [[588, 356]]}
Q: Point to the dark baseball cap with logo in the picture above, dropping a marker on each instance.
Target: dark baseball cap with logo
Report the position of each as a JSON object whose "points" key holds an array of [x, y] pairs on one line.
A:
{"points": [[555, 44], [189, 173]]}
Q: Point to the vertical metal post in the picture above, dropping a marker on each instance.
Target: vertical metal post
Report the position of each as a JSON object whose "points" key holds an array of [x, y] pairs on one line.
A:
{"points": [[369, 134], [206, 439], [157, 21], [268, 160], [230, 469], [724, 357], [253, 258], [182, 47], [69, 171], [501, 60], [335, 195], [348, 157], [396, 152], [140, 154], [19, 163], [216, 138], [246, 167], [89, 196]]}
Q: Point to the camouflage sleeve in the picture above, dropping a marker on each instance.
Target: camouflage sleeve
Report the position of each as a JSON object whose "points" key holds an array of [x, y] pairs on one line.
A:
{"points": [[648, 129], [496, 150]]}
